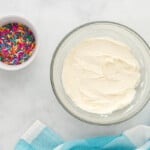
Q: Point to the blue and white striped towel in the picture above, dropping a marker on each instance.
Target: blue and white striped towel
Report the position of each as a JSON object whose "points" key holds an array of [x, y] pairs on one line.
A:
{"points": [[40, 137]]}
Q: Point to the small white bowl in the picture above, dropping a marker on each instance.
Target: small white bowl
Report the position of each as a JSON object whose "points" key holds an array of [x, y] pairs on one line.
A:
{"points": [[18, 19]]}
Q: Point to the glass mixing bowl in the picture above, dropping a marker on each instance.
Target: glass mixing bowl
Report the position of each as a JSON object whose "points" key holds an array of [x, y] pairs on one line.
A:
{"points": [[117, 32]]}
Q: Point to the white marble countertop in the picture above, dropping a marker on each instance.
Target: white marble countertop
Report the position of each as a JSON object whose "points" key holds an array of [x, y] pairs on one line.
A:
{"points": [[26, 95]]}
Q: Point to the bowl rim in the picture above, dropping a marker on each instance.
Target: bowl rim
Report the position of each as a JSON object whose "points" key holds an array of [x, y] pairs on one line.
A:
{"points": [[52, 67], [29, 24]]}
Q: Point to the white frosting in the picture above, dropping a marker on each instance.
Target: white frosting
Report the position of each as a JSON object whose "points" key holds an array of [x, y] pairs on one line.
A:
{"points": [[100, 75]]}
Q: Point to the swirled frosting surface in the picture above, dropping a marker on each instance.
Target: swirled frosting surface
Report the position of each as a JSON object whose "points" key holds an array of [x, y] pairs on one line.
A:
{"points": [[100, 75]]}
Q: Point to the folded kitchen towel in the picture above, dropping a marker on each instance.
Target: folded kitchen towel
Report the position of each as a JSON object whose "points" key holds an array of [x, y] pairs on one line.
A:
{"points": [[40, 137]]}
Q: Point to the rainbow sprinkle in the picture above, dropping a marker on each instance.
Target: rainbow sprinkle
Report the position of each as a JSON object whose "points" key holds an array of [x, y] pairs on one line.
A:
{"points": [[16, 43]]}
